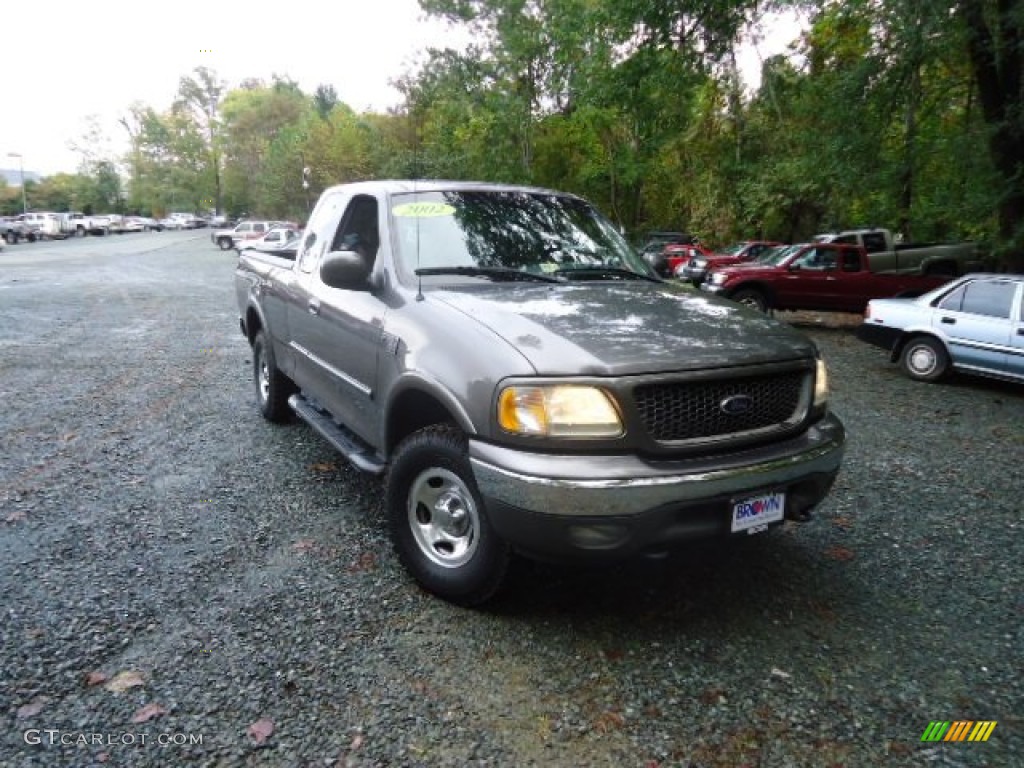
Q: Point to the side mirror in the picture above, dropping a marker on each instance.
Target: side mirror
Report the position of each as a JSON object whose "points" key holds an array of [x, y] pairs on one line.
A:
{"points": [[794, 267], [344, 269]]}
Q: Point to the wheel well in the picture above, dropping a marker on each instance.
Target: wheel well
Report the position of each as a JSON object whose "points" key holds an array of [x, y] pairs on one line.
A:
{"points": [[902, 341], [761, 288], [412, 411], [941, 268], [252, 324]]}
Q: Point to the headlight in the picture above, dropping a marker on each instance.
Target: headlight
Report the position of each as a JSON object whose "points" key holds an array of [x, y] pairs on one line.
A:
{"points": [[717, 278], [558, 411], [699, 263], [820, 385]]}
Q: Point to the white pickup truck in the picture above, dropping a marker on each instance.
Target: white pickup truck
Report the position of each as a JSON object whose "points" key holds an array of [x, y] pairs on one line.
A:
{"points": [[89, 225], [887, 255]]}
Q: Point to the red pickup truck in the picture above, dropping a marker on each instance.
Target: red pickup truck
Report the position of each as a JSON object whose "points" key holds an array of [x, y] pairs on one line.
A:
{"points": [[819, 276]]}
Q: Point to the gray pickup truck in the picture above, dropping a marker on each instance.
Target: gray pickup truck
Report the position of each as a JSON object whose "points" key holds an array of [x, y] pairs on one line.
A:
{"points": [[526, 384]]}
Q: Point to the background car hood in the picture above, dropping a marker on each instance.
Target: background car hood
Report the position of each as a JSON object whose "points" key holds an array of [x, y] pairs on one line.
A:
{"points": [[611, 329]]}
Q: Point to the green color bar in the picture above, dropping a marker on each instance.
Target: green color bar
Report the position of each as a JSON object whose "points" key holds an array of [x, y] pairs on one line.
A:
{"points": [[935, 731]]}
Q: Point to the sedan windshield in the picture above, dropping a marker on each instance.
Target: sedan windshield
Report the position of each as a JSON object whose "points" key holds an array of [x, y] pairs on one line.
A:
{"points": [[486, 233]]}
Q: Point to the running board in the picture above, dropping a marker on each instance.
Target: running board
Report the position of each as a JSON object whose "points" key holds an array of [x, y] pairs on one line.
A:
{"points": [[350, 446]]}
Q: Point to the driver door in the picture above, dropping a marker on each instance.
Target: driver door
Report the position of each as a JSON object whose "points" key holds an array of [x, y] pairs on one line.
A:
{"points": [[336, 332]]}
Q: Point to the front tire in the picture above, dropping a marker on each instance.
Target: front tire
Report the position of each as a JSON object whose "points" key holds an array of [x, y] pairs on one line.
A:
{"points": [[438, 522], [273, 388], [751, 297], [225, 243], [924, 359]]}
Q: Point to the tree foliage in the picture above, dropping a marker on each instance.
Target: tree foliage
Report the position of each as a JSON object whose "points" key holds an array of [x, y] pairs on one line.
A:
{"points": [[897, 113]]}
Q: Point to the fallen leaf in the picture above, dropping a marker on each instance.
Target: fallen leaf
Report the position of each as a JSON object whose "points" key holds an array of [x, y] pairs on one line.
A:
{"points": [[95, 678], [148, 712], [776, 672], [304, 545], [102, 757], [122, 681], [260, 730], [366, 562], [33, 708], [843, 522], [68, 437], [34, 632], [323, 466], [357, 742], [608, 721], [15, 517], [841, 554]]}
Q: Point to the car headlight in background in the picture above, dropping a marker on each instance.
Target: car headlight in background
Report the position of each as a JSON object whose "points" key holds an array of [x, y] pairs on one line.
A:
{"points": [[699, 263], [820, 385], [716, 278], [569, 410]]}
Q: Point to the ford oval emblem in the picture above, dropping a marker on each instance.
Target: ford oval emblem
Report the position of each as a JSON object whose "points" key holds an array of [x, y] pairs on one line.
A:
{"points": [[736, 405]]}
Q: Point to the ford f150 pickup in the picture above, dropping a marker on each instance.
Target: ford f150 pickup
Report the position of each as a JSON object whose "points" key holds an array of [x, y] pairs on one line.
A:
{"points": [[819, 276], [525, 383]]}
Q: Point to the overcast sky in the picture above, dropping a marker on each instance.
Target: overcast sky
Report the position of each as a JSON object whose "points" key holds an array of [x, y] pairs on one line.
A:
{"points": [[77, 58]]}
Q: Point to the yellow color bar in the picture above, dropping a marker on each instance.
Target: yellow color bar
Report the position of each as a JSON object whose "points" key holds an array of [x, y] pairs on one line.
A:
{"points": [[982, 730]]}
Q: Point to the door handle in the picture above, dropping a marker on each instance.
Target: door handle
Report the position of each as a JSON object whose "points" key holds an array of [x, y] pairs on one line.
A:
{"points": [[313, 306], [949, 321]]}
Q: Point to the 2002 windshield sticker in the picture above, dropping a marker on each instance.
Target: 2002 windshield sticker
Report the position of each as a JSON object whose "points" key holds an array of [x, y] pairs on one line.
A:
{"points": [[423, 210]]}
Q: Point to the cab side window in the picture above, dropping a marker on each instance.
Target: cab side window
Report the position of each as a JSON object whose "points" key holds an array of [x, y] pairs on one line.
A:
{"points": [[851, 261], [359, 230], [318, 231]]}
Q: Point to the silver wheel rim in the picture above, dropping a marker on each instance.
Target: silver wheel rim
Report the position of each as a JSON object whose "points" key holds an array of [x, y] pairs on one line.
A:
{"points": [[443, 518], [263, 377], [922, 360]]}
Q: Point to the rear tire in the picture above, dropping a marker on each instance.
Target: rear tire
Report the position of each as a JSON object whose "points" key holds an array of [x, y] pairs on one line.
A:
{"points": [[438, 522], [924, 359], [273, 388]]}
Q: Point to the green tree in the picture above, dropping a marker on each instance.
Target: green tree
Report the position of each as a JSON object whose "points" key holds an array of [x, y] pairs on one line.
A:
{"points": [[199, 100]]}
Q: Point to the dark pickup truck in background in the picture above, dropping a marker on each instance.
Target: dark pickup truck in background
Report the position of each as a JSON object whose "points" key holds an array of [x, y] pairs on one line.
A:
{"points": [[524, 382], [815, 276]]}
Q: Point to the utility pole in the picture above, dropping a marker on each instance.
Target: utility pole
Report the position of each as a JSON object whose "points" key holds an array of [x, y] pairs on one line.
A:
{"points": [[21, 164]]}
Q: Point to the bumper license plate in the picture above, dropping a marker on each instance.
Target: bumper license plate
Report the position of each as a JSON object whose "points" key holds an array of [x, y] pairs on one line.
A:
{"points": [[758, 511]]}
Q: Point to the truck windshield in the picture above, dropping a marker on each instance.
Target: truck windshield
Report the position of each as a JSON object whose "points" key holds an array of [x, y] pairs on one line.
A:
{"points": [[777, 255], [497, 230]]}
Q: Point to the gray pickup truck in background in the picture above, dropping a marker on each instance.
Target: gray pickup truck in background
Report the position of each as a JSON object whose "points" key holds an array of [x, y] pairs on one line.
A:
{"points": [[527, 384], [888, 255]]}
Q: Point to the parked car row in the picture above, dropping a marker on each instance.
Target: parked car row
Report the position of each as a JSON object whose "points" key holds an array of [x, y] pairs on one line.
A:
{"points": [[50, 225]]}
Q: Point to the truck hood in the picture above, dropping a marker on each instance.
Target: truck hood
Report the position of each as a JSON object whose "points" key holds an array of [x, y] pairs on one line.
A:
{"points": [[618, 329], [748, 269]]}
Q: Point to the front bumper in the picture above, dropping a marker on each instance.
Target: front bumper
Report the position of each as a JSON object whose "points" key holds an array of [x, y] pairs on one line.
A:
{"points": [[693, 274], [604, 507], [706, 286]]}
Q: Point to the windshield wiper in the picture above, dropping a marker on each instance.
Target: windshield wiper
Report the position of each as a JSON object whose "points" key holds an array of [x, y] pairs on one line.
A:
{"points": [[593, 272], [494, 273]]}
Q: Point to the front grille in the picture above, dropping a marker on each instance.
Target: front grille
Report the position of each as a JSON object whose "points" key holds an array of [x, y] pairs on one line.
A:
{"points": [[692, 410]]}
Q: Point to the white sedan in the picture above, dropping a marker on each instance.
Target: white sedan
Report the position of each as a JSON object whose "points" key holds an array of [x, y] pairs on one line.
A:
{"points": [[974, 324]]}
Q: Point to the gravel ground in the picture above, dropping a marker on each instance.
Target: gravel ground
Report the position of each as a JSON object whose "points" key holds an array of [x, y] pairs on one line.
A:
{"points": [[184, 583]]}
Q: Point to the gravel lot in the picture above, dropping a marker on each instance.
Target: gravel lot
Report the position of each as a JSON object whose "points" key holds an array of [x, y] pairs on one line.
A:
{"points": [[174, 569]]}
